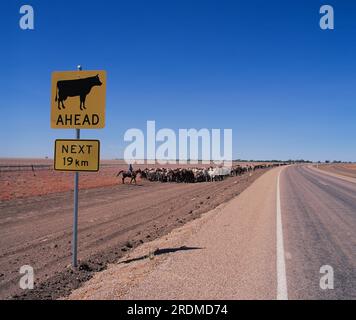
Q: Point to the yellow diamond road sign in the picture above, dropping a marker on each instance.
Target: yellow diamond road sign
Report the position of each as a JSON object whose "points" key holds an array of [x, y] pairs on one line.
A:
{"points": [[78, 99], [76, 155]]}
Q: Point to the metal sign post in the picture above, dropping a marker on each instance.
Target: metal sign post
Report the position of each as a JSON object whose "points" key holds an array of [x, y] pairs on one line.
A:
{"points": [[85, 111], [75, 211]]}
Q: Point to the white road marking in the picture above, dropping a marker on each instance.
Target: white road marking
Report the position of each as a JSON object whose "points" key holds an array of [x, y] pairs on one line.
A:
{"points": [[282, 291]]}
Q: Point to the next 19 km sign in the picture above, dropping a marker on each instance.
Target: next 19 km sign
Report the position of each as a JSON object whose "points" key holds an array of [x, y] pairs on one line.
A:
{"points": [[77, 155]]}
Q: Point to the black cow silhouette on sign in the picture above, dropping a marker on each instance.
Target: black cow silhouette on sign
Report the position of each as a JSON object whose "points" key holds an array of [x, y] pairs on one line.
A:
{"points": [[75, 88]]}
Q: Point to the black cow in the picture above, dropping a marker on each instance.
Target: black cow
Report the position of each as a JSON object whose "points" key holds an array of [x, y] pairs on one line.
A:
{"points": [[74, 88]]}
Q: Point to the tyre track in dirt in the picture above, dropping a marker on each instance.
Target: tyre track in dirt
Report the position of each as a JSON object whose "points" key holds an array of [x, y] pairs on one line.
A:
{"points": [[37, 242], [112, 220]]}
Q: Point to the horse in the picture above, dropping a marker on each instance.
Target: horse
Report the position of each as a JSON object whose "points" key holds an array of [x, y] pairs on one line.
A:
{"points": [[129, 174]]}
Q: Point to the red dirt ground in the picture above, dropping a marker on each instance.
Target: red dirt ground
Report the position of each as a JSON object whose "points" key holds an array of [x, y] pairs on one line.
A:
{"points": [[25, 183], [344, 169]]}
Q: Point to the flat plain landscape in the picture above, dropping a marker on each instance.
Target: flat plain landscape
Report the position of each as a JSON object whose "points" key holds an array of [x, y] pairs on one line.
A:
{"points": [[18, 180], [36, 211], [36, 220]]}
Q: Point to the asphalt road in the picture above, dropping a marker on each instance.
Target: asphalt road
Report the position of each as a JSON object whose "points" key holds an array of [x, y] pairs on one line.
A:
{"points": [[279, 239], [319, 227]]}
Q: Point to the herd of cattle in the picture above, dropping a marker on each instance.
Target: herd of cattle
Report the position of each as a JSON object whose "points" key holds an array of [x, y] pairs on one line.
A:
{"points": [[192, 175]]}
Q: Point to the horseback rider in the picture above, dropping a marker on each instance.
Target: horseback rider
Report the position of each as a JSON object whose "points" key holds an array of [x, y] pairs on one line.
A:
{"points": [[130, 168]]}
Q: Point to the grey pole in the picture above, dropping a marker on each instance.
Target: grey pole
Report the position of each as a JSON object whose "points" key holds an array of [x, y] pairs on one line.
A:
{"points": [[75, 213]]}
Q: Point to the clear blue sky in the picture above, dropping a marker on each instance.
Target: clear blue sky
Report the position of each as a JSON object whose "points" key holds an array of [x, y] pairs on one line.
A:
{"points": [[263, 68]]}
